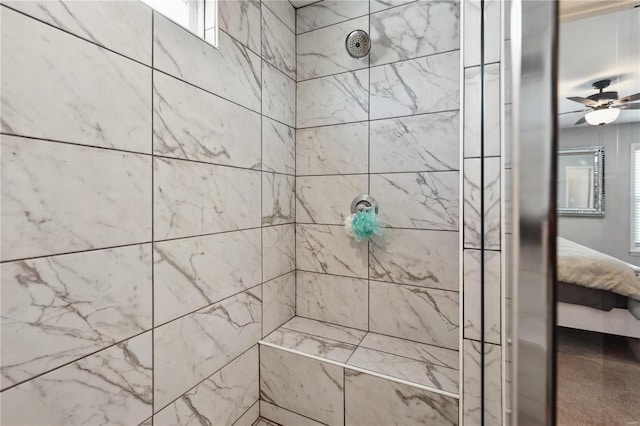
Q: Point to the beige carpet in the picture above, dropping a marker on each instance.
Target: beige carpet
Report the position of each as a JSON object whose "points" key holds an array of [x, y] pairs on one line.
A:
{"points": [[598, 380]]}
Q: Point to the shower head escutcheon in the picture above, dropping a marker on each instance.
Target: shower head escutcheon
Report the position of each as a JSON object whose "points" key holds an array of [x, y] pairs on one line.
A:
{"points": [[358, 43]]}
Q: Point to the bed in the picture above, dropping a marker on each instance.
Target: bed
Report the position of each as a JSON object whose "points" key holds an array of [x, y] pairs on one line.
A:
{"points": [[597, 292]]}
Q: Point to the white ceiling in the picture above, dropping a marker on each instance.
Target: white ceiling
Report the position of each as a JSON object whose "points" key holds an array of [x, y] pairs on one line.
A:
{"points": [[595, 48]]}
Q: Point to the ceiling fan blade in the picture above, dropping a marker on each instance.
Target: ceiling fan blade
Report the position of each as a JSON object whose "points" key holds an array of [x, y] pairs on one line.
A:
{"points": [[630, 98], [574, 112], [582, 120], [629, 106], [583, 101]]}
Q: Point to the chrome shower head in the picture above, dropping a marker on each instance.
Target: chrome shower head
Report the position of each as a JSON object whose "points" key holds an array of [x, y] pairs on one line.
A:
{"points": [[358, 43]]}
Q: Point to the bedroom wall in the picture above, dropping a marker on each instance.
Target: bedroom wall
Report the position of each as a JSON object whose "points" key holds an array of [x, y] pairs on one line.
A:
{"points": [[147, 211], [610, 234]]}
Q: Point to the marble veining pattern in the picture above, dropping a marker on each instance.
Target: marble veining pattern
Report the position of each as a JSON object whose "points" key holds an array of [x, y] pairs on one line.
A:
{"points": [[195, 199], [110, 387], [327, 199], [332, 149], [284, 11], [278, 199], [337, 300], [310, 344], [419, 200], [325, 330], [420, 28], [334, 99], [241, 20], [278, 250], [193, 347], [278, 302], [324, 248], [278, 147], [417, 257], [42, 213], [426, 142], [220, 399], [278, 44], [195, 272], [278, 95], [192, 124], [329, 12], [58, 309], [105, 102], [428, 84]]}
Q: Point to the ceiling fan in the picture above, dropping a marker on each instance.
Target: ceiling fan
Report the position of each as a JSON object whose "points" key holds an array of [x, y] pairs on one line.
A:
{"points": [[605, 106]]}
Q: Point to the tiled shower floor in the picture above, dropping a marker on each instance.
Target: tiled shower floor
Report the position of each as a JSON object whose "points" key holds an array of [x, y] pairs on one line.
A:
{"points": [[414, 362]]}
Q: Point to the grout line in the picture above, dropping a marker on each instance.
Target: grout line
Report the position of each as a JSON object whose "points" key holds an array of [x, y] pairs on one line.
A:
{"points": [[394, 117], [369, 243], [247, 410], [380, 173], [285, 409], [153, 263], [278, 17], [391, 228]]}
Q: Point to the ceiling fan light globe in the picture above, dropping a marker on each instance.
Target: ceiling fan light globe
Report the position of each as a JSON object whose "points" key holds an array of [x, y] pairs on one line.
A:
{"points": [[600, 117]]}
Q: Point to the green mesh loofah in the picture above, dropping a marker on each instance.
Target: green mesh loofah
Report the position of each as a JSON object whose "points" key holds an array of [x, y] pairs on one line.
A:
{"points": [[365, 225]]}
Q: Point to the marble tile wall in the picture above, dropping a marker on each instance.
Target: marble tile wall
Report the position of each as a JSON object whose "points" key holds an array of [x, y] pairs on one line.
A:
{"points": [[148, 211], [387, 125]]}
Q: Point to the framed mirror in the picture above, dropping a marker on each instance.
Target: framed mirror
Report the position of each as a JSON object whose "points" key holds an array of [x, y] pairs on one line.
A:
{"points": [[581, 181]]}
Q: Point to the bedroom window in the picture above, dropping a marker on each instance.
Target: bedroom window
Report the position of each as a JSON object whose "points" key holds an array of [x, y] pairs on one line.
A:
{"points": [[198, 16], [635, 199]]}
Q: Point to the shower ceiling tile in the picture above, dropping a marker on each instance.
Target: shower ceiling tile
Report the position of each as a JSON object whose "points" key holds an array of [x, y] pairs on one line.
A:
{"points": [[322, 52], [329, 12], [427, 200], [332, 149], [60, 198], [194, 198], [195, 272], [417, 29], [185, 126], [416, 257], [328, 249], [191, 348], [278, 147], [231, 71], [416, 313], [278, 95], [278, 199], [336, 99], [327, 199], [279, 302], [83, 302], [241, 20], [338, 300], [278, 250], [278, 44], [112, 387], [221, 398], [429, 84], [73, 92], [420, 143]]}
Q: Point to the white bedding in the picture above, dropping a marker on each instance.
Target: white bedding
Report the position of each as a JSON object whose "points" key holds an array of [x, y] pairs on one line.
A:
{"points": [[581, 265]]}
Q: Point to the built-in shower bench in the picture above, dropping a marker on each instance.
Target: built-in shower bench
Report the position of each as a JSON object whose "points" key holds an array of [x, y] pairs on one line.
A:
{"points": [[336, 375]]}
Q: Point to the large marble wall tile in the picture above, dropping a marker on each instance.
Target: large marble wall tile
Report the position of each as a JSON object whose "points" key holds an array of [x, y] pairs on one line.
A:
{"points": [[372, 400], [283, 416], [231, 71], [419, 200], [328, 249], [111, 387], [278, 44], [284, 11], [472, 294], [417, 29], [220, 399], [327, 199], [195, 199], [379, 5], [58, 309], [192, 124], [429, 84], [193, 347], [472, 202], [420, 143], [419, 351], [329, 12], [416, 313], [322, 52], [337, 300], [472, 387], [278, 250], [302, 385], [417, 257], [191, 273], [279, 302], [102, 99], [493, 384], [336, 99], [278, 147], [332, 149], [492, 188], [124, 27], [241, 20], [278, 95], [325, 330], [472, 112], [415, 371], [278, 199], [310, 344], [59, 198]]}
